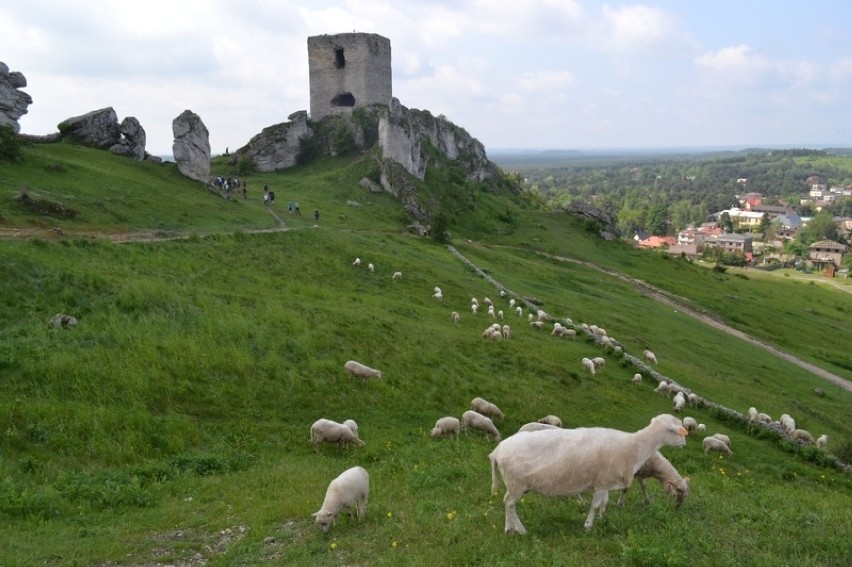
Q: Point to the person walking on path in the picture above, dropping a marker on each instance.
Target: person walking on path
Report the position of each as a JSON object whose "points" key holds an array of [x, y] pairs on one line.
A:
{"points": [[289, 206], [266, 195], [296, 206]]}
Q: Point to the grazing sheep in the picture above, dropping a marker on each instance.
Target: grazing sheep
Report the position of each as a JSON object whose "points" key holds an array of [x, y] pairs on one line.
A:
{"points": [[822, 441], [502, 293], [723, 438], [551, 420], [763, 418], [637, 378], [371, 267], [519, 310], [493, 332], [530, 317], [536, 324], [473, 308], [536, 426], [565, 462], [715, 444], [649, 356], [541, 315], [512, 303], [487, 302], [679, 401], [802, 436], [360, 370], [455, 316], [438, 295], [662, 387], [352, 424], [333, 432], [349, 490], [491, 311], [397, 275], [438, 290], [357, 262], [507, 332], [500, 314], [588, 365], [701, 427], [62, 320], [486, 408], [599, 361], [693, 400], [752, 413], [446, 426], [690, 424], [660, 468], [474, 301], [788, 423], [475, 420]]}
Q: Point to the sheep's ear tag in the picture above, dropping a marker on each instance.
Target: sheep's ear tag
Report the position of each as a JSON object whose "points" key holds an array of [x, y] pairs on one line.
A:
{"points": [[683, 432]]}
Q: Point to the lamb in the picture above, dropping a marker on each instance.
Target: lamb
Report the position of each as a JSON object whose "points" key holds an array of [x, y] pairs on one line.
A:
{"points": [[438, 295], [588, 365], [357, 262], [551, 420], [473, 308], [475, 420], [564, 462], [438, 290], [599, 362], [446, 426], [637, 378], [371, 267], [507, 332], [519, 310], [349, 490], [822, 441], [500, 314], [486, 408], [649, 356], [660, 468], [715, 444], [455, 316], [360, 370], [502, 293], [690, 424], [701, 427], [333, 432], [679, 401], [536, 426], [397, 275], [788, 423], [512, 303], [803, 436]]}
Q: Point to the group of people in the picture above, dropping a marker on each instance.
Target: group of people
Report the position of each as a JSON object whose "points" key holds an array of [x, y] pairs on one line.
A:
{"points": [[292, 206], [229, 184]]}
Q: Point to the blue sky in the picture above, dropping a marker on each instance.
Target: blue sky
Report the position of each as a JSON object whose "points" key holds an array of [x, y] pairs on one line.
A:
{"points": [[569, 74]]}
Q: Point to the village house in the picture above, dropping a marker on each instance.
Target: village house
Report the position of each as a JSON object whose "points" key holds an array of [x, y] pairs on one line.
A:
{"points": [[737, 243], [826, 255], [656, 242]]}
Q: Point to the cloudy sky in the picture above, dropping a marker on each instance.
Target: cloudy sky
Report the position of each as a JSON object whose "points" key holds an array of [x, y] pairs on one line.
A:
{"points": [[575, 74]]}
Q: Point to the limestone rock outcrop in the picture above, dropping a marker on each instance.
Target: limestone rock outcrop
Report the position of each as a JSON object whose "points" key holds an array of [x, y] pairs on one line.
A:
{"points": [[277, 146], [132, 142], [191, 147], [98, 128], [13, 101]]}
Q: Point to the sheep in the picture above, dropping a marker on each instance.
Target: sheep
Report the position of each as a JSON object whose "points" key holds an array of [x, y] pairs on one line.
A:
{"points": [[349, 490], [455, 316], [788, 423], [536, 426], [715, 444], [474, 301], [486, 408], [723, 438], [500, 314], [752, 413], [519, 311], [588, 365], [649, 356], [536, 325], [502, 293], [802, 436], [333, 432], [679, 401], [61, 320], [438, 295], [473, 308], [512, 303], [493, 332], [475, 420], [569, 333], [701, 427], [564, 462], [352, 424], [693, 400], [541, 315], [438, 290], [507, 332], [662, 387], [357, 262], [371, 267], [637, 378], [491, 311], [763, 418], [360, 370], [822, 441], [397, 276], [530, 317], [690, 424], [487, 302], [660, 468], [551, 420], [446, 426], [599, 362]]}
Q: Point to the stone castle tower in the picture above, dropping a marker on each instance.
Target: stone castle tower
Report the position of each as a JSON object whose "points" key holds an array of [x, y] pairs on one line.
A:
{"points": [[348, 71]]}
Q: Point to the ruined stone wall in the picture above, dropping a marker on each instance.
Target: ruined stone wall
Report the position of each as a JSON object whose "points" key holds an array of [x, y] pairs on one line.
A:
{"points": [[348, 71]]}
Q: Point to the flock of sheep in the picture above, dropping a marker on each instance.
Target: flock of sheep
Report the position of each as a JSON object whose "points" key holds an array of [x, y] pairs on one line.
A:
{"points": [[543, 457]]}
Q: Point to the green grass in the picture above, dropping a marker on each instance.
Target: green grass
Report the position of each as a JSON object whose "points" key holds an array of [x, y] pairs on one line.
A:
{"points": [[172, 423]]}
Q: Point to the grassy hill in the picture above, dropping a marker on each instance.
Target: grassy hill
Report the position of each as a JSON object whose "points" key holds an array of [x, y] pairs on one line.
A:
{"points": [[171, 425]]}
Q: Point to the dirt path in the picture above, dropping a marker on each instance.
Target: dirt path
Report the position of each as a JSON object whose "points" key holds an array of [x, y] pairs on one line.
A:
{"points": [[682, 305]]}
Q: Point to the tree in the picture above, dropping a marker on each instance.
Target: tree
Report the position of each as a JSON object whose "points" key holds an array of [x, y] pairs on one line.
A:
{"points": [[765, 223], [821, 227], [726, 223], [658, 220]]}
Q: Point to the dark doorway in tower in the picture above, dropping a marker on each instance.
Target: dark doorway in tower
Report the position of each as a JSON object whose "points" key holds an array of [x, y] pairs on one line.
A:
{"points": [[339, 60], [343, 99]]}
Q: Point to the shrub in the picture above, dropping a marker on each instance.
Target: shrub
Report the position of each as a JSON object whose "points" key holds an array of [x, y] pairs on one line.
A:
{"points": [[10, 144]]}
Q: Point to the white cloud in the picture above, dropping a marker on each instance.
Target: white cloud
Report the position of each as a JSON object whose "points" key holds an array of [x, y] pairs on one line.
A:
{"points": [[637, 27], [546, 81]]}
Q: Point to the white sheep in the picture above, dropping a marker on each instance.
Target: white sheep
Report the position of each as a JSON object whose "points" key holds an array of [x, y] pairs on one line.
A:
{"points": [[763, 418], [507, 332], [491, 311], [551, 420], [802, 436], [371, 267], [493, 332], [701, 427], [473, 308], [693, 400], [486, 408], [565, 462], [649, 356], [678, 402], [357, 262], [475, 420], [541, 315], [822, 441], [599, 362], [690, 424], [397, 275], [351, 490], [536, 426], [438, 295], [446, 426], [438, 290], [500, 314], [662, 387], [536, 325], [360, 370], [637, 378], [455, 316], [723, 438], [788, 422], [474, 301], [519, 311], [512, 303], [588, 365], [333, 432], [752, 413], [660, 468], [715, 444], [487, 302], [352, 424], [502, 293]]}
